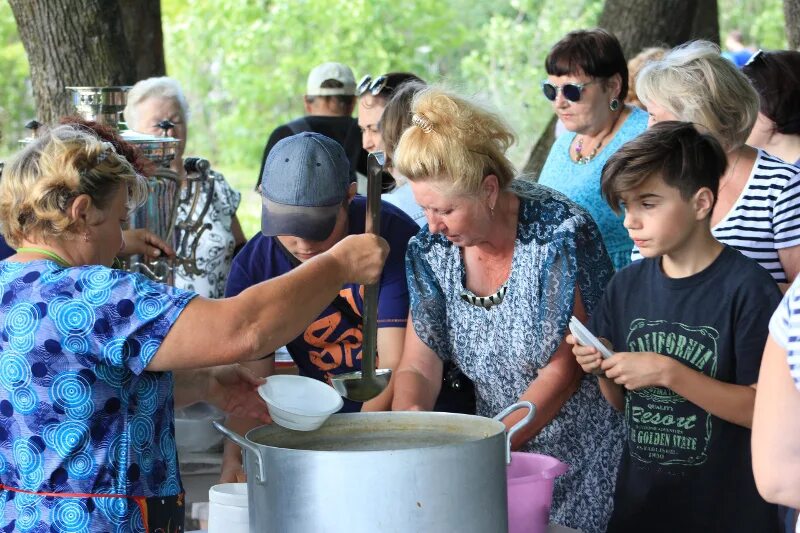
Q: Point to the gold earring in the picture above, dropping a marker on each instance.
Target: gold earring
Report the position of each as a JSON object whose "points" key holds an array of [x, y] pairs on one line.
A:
{"points": [[85, 236]]}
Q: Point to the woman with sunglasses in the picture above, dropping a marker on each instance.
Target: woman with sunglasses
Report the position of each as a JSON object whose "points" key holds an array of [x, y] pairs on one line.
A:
{"points": [[587, 82], [493, 279], [776, 78], [757, 211]]}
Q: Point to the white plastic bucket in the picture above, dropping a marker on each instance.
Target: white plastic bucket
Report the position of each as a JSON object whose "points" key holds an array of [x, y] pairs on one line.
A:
{"points": [[227, 508]]}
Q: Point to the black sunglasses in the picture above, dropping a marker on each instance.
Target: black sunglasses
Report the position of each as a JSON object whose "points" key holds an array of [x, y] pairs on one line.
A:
{"points": [[571, 91], [373, 86]]}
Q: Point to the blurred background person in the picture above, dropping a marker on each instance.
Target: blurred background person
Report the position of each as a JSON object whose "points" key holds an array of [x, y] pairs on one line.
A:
{"points": [[756, 209], [776, 78], [736, 51], [329, 102], [587, 82], [150, 102], [635, 65]]}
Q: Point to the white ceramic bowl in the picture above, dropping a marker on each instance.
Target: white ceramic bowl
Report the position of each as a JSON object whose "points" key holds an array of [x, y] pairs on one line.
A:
{"points": [[298, 402]]}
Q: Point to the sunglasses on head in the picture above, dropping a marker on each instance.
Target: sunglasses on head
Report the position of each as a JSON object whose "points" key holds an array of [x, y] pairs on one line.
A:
{"points": [[754, 57], [571, 91], [374, 87]]}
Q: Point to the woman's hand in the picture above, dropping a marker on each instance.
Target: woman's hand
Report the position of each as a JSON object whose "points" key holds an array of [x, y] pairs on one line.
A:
{"points": [[588, 357], [361, 257], [144, 242], [233, 388]]}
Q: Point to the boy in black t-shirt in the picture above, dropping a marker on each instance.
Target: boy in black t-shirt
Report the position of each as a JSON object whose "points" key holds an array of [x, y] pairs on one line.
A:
{"points": [[689, 323]]}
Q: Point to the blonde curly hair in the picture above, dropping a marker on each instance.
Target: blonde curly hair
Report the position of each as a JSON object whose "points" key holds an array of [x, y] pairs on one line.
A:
{"points": [[39, 183], [455, 140]]}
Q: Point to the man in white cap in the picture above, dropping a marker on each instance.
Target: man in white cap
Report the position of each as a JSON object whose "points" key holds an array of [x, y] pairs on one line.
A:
{"points": [[329, 103]]}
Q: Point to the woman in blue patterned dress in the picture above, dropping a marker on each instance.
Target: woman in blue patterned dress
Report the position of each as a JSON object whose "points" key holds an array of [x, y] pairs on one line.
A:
{"points": [[587, 81], [493, 279], [86, 397]]}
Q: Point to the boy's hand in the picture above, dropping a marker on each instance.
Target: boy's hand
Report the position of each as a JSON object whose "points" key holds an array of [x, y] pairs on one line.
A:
{"points": [[637, 370], [588, 357]]}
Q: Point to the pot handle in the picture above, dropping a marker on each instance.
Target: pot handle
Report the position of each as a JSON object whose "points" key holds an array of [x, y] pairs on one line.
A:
{"points": [[519, 425], [261, 475]]}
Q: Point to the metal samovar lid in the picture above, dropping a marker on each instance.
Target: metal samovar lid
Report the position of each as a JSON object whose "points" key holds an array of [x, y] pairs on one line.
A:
{"points": [[100, 104]]}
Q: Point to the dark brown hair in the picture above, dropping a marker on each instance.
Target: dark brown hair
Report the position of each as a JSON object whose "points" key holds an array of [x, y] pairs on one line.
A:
{"points": [[776, 78], [397, 115], [674, 151], [595, 52]]}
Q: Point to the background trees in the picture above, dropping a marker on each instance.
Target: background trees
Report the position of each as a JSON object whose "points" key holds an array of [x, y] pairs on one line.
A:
{"points": [[243, 63]]}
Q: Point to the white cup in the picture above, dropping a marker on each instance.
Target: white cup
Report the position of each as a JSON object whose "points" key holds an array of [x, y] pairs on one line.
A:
{"points": [[227, 508]]}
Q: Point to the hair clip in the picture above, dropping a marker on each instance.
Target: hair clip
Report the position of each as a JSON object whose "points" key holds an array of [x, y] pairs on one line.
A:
{"points": [[422, 122], [107, 147]]}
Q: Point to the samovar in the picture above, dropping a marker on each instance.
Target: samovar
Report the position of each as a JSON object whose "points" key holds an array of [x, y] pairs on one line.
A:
{"points": [[167, 190]]}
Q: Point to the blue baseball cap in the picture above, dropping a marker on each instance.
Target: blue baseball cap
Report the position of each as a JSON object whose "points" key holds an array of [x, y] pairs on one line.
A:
{"points": [[305, 180]]}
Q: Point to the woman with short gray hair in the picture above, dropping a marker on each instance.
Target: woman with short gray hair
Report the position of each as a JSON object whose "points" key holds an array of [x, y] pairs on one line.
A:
{"points": [[756, 210], [150, 102]]}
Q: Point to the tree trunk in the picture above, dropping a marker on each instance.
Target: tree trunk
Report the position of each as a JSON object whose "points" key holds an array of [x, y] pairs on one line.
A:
{"points": [[142, 23], [540, 151], [642, 23], [791, 14], [83, 43]]}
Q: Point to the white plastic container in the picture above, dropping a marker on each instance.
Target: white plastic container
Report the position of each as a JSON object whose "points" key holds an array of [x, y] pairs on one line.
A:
{"points": [[298, 402], [227, 508]]}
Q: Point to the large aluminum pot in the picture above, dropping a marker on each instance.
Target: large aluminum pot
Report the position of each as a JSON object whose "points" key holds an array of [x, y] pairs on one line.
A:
{"points": [[381, 473]]}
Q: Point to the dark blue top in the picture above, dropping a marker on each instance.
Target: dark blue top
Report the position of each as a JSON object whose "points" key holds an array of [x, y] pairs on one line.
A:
{"points": [[5, 249], [331, 344]]}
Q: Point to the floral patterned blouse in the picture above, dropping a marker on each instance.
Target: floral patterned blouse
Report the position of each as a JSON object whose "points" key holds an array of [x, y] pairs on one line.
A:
{"points": [[216, 244], [86, 433], [502, 349]]}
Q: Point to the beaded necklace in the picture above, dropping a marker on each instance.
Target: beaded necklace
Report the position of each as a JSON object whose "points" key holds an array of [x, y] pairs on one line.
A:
{"points": [[584, 159]]}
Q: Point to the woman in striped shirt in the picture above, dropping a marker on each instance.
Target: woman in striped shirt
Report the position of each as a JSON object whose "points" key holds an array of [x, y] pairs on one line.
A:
{"points": [[758, 204]]}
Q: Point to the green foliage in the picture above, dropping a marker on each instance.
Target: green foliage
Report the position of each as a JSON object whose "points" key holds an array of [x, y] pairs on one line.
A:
{"points": [[760, 21], [243, 63]]}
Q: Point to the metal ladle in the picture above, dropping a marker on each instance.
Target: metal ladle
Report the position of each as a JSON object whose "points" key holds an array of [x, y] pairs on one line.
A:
{"points": [[367, 384]]}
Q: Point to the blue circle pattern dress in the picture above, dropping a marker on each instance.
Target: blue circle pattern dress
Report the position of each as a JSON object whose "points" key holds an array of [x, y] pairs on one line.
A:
{"points": [[79, 414], [502, 349], [581, 184]]}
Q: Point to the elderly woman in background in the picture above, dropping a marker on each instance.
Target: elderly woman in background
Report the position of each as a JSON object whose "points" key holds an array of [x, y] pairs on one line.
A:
{"points": [[756, 211], [587, 82], [86, 393], [493, 280], [150, 102], [776, 78]]}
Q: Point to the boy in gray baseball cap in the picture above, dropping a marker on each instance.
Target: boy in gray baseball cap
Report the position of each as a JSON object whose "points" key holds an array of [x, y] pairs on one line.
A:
{"points": [[309, 203], [306, 179]]}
